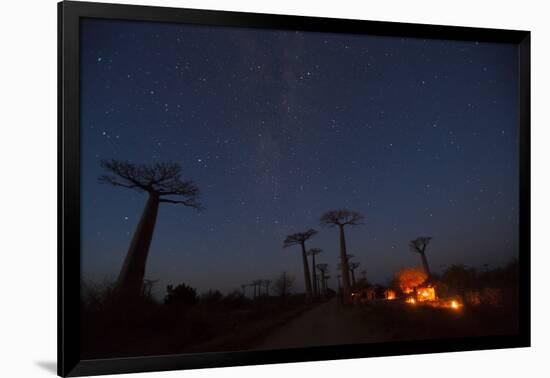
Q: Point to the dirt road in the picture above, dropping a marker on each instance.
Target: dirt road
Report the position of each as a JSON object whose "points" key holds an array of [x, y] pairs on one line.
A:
{"points": [[327, 324]]}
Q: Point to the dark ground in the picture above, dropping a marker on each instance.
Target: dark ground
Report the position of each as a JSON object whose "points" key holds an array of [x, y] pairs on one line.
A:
{"points": [[270, 324]]}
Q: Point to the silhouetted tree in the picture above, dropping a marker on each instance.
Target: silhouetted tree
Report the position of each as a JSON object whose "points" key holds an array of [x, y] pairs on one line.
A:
{"points": [[339, 277], [163, 184], [148, 287], [314, 252], [323, 268], [283, 284], [327, 289], [342, 218], [300, 239], [266, 284], [257, 284], [460, 278], [352, 267], [419, 246], [211, 296], [181, 294], [364, 275]]}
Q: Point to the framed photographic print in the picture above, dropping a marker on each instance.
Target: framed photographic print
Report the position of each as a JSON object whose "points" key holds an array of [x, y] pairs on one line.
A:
{"points": [[243, 188]]}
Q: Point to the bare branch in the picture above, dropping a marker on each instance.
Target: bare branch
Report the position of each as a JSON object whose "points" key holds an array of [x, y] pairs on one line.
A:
{"points": [[188, 203], [322, 268], [341, 218], [298, 238], [105, 179], [160, 179], [420, 244], [314, 251]]}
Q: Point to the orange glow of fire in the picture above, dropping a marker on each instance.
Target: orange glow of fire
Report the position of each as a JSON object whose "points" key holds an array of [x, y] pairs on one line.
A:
{"points": [[426, 294], [390, 294], [455, 305], [411, 300], [409, 278]]}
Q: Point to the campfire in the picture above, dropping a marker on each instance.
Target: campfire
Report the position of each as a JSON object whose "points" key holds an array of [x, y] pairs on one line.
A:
{"points": [[418, 289], [426, 294]]}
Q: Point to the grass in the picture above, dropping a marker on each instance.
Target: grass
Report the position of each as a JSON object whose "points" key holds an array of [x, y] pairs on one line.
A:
{"points": [[403, 321]]}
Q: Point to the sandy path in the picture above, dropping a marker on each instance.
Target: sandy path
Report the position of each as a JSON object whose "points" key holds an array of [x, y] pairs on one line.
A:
{"points": [[326, 324]]}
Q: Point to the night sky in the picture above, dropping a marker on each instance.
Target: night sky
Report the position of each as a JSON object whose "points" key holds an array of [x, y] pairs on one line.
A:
{"points": [[276, 127]]}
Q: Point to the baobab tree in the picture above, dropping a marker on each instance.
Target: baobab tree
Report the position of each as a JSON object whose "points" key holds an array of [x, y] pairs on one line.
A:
{"points": [[323, 268], [314, 252], [266, 284], [341, 219], [300, 239], [352, 267], [257, 284], [283, 284], [327, 277], [163, 184], [339, 267], [364, 275], [148, 287], [419, 246]]}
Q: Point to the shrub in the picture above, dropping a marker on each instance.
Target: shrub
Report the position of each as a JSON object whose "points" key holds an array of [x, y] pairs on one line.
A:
{"points": [[180, 295]]}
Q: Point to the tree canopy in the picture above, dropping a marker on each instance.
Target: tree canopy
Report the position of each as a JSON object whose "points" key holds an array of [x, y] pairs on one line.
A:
{"points": [[298, 238], [341, 218], [420, 244], [160, 179]]}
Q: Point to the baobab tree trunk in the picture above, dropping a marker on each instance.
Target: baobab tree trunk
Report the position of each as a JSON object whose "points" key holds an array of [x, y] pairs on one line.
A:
{"points": [[344, 264], [425, 264], [352, 271], [130, 279], [313, 268], [324, 283], [307, 278], [318, 279]]}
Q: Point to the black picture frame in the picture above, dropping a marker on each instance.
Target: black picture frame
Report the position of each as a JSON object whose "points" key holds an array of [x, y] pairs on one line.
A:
{"points": [[69, 16]]}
